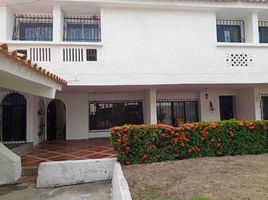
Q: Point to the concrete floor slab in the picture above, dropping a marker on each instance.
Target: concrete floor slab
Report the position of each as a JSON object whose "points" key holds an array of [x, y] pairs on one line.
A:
{"points": [[90, 191]]}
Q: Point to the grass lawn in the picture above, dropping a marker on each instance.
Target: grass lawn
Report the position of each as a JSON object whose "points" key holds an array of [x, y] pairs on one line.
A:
{"points": [[220, 178]]}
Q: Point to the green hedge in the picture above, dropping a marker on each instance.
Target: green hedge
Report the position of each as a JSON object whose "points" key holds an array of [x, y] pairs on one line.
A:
{"points": [[154, 143]]}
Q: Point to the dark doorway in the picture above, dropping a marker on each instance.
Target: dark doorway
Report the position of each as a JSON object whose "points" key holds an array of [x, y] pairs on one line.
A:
{"points": [[14, 118], [227, 107], [56, 120], [265, 107]]}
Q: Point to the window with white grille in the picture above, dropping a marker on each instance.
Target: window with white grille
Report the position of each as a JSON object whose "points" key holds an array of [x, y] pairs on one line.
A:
{"points": [[73, 55], [239, 60], [40, 54]]}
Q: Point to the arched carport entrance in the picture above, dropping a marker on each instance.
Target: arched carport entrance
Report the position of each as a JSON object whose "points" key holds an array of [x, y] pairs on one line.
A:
{"points": [[56, 120], [14, 118]]}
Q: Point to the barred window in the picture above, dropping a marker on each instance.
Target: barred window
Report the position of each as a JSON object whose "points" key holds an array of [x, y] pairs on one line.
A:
{"points": [[263, 31], [106, 114], [230, 31], [33, 28], [91, 54], [177, 112], [82, 29]]}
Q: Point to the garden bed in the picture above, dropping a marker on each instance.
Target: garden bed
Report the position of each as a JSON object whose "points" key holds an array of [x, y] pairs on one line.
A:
{"points": [[230, 177]]}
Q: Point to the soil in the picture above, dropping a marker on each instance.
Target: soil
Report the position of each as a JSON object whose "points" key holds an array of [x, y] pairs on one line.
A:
{"points": [[224, 178]]}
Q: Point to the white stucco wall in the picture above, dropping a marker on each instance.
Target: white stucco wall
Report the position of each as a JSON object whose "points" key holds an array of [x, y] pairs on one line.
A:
{"points": [[157, 46], [76, 115], [245, 104], [213, 96]]}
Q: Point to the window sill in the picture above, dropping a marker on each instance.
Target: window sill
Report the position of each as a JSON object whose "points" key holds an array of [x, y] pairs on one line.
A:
{"points": [[18, 42], [225, 44]]}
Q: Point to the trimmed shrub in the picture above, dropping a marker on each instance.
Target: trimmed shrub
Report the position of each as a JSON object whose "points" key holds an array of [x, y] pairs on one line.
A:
{"points": [[154, 143]]}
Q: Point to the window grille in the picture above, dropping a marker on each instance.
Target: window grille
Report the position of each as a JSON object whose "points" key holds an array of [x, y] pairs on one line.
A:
{"points": [[263, 31], [33, 28], [40, 54], [91, 54], [82, 29], [177, 112], [230, 30], [106, 114], [73, 55]]}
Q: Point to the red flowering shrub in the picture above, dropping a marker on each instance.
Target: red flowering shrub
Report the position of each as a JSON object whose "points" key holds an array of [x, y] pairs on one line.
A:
{"points": [[154, 143]]}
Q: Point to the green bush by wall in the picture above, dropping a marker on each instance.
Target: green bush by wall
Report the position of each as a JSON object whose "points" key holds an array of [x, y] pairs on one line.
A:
{"points": [[154, 143]]}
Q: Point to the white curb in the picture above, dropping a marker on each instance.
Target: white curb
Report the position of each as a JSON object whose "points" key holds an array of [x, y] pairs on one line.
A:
{"points": [[120, 189], [61, 173]]}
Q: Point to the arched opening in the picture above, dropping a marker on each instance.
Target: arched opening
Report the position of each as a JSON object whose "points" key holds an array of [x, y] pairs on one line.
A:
{"points": [[14, 118], [56, 120]]}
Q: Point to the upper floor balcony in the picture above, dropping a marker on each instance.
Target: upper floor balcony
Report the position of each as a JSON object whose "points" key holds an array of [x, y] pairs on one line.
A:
{"points": [[242, 28], [40, 28]]}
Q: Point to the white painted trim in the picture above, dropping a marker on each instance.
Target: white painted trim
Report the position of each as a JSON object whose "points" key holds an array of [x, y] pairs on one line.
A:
{"points": [[120, 189], [230, 44], [52, 43], [98, 134]]}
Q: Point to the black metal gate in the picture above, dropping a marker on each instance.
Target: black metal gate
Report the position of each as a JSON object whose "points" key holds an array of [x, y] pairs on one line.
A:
{"points": [[14, 118]]}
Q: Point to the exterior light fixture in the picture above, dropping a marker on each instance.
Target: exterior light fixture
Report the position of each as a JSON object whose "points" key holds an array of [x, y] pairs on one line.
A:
{"points": [[211, 106], [206, 94]]}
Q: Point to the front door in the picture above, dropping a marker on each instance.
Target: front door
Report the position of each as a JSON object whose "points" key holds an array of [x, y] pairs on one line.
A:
{"points": [[51, 121], [14, 118], [264, 108], [227, 107]]}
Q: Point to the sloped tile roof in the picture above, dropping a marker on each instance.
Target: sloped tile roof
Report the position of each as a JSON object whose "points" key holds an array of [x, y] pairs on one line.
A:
{"points": [[21, 58]]}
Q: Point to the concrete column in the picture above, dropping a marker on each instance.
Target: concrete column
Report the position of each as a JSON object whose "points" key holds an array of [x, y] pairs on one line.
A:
{"points": [[150, 111], [209, 113], [58, 23], [6, 21], [252, 28], [30, 118]]}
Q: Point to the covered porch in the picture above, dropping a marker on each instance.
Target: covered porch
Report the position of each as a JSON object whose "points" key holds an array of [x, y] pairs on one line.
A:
{"points": [[92, 110], [68, 150]]}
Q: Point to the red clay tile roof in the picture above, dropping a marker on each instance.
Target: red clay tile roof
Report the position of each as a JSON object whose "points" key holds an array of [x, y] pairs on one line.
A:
{"points": [[21, 58]]}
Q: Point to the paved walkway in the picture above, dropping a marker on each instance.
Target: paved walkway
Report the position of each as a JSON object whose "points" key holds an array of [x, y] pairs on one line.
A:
{"points": [[24, 191], [68, 150]]}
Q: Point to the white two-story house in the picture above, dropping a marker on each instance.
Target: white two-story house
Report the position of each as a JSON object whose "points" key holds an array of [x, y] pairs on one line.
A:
{"points": [[134, 62]]}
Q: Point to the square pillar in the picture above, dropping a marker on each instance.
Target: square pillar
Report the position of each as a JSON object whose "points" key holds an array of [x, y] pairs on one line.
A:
{"points": [[252, 28], [149, 107], [7, 22], [58, 24]]}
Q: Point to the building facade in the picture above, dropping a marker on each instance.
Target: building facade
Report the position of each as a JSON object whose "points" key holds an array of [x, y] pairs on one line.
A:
{"points": [[134, 62]]}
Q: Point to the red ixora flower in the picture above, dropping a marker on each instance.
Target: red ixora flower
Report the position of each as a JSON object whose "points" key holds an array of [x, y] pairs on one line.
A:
{"points": [[231, 133], [190, 150], [182, 144], [175, 140], [144, 157]]}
